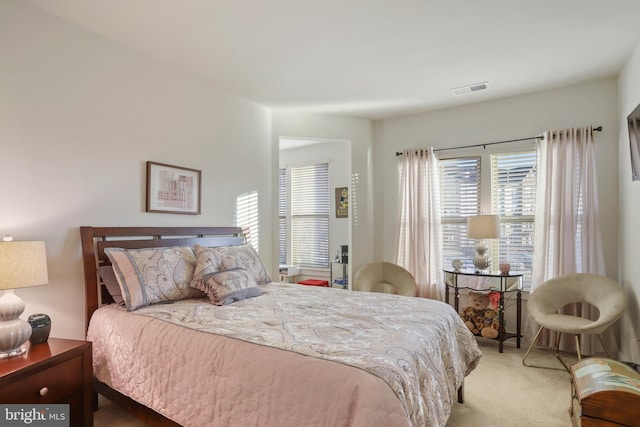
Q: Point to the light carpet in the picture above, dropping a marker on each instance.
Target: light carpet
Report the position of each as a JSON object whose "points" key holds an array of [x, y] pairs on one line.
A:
{"points": [[499, 392]]}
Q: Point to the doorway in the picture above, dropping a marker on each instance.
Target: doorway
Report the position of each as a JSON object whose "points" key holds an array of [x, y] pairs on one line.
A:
{"points": [[315, 210]]}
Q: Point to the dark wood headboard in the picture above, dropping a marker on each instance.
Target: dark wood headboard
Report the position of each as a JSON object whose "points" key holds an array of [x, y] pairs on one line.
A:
{"points": [[95, 239]]}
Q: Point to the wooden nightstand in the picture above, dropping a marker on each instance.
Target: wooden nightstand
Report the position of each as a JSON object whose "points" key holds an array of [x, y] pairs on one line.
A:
{"points": [[58, 371]]}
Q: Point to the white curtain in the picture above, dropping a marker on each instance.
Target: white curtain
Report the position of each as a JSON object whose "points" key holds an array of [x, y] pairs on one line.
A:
{"points": [[419, 248], [567, 229]]}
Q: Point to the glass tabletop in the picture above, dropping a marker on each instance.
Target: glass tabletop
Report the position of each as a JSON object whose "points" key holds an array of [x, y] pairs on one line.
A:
{"points": [[483, 273]]}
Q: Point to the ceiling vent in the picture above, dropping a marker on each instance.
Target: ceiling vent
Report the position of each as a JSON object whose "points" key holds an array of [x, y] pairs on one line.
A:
{"points": [[470, 88]]}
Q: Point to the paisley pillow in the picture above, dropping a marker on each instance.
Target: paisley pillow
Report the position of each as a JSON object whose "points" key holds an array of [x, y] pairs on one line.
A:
{"points": [[207, 262], [151, 276], [225, 287], [211, 260]]}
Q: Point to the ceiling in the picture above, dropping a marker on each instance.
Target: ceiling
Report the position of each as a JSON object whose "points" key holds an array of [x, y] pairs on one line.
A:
{"points": [[371, 58]]}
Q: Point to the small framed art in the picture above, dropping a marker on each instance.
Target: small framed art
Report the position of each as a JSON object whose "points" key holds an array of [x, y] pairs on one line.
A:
{"points": [[173, 189], [342, 202]]}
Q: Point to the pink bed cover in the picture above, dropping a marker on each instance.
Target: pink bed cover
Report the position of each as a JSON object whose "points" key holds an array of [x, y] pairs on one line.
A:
{"points": [[294, 356]]}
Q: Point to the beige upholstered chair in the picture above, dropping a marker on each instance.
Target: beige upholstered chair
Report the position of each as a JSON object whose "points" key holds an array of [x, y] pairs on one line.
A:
{"points": [[385, 277], [545, 301]]}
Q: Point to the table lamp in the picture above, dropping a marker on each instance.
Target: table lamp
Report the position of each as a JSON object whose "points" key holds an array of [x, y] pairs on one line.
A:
{"points": [[482, 227], [22, 264]]}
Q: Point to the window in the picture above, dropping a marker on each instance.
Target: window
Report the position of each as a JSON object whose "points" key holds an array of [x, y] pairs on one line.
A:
{"points": [[246, 216], [513, 198], [508, 191], [310, 202], [459, 198], [282, 215]]}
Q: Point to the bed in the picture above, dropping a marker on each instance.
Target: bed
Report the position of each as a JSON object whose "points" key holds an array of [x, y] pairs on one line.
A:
{"points": [[289, 355]]}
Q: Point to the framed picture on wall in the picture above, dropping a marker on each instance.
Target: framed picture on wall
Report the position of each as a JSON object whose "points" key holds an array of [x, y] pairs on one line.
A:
{"points": [[342, 202], [173, 189]]}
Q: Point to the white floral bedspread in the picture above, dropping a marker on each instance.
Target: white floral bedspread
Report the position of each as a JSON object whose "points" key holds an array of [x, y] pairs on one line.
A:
{"points": [[419, 347]]}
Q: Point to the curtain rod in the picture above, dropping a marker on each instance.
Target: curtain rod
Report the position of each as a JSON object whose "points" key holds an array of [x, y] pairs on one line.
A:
{"points": [[399, 153]]}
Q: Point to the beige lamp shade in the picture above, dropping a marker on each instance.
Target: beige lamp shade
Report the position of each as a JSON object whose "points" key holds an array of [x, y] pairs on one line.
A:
{"points": [[22, 264], [483, 227]]}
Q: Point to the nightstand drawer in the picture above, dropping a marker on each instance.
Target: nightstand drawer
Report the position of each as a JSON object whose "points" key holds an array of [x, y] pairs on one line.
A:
{"points": [[48, 386]]}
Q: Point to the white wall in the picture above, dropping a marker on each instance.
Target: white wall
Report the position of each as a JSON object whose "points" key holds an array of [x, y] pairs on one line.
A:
{"points": [[338, 155], [79, 117], [358, 131], [629, 98]]}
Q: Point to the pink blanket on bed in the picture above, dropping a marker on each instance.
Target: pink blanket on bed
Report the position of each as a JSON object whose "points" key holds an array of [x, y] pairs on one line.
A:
{"points": [[325, 357]]}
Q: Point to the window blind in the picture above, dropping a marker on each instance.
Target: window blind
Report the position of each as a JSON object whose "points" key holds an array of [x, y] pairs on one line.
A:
{"points": [[247, 217], [513, 197], [310, 209], [282, 215], [459, 198]]}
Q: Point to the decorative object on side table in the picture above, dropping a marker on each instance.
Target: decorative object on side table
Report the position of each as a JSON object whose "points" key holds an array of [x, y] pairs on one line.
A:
{"points": [[288, 273], [505, 267], [457, 264], [481, 316], [22, 264], [341, 258], [482, 227], [40, 328]]}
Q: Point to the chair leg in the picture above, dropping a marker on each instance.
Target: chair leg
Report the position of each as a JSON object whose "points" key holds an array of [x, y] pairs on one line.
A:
{"points": [[566, 368], [531, 347], [604, 346], [533, 343], [578, 352], [558, 337]]}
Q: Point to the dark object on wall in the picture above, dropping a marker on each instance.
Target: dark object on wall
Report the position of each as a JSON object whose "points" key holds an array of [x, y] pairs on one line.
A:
{"points": [[633, 122], [40, 328], [342, 202]]}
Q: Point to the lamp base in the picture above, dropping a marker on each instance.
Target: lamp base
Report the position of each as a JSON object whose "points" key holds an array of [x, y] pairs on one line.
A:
{"points": [[14, 332], [11, 353], [480, 260]]}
